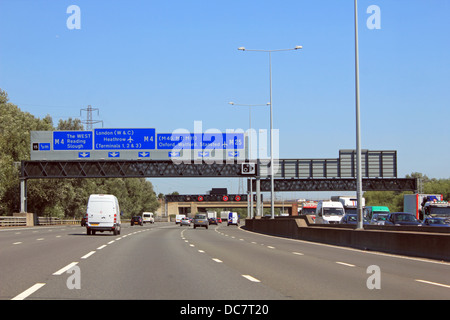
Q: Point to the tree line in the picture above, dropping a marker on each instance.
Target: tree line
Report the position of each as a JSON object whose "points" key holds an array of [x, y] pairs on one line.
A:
{"points": [[56, 197]]}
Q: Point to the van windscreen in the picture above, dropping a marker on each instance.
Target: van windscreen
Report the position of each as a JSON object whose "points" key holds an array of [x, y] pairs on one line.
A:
{"points": [[333, 211]]}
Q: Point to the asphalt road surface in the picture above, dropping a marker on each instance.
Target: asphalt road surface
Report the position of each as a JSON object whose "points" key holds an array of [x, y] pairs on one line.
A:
{"points": [[169, 262]]}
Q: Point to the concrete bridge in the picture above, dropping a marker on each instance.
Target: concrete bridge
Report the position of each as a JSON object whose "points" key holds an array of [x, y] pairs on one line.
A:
{"points": [[173, 208]]}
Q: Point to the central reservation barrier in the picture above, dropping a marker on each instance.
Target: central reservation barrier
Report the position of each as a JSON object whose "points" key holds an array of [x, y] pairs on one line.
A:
{"points": [[423, 241]]}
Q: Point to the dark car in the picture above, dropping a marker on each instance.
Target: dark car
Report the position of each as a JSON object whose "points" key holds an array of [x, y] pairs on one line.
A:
{"points": [[137, 220], [351, 218], [402, 219], [212, 220], [437, 221]]}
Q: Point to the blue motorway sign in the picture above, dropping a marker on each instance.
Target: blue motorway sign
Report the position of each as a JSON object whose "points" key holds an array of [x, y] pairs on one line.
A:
{"points": [[169, 141], [123, 139], [72, 140]]}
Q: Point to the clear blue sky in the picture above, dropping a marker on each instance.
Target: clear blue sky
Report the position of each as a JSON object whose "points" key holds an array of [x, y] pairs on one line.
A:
{"points": [[165, 64]]}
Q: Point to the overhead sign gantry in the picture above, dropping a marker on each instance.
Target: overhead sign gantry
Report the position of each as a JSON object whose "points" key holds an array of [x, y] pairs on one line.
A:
{"points": [[144, 153], [135, 144]]}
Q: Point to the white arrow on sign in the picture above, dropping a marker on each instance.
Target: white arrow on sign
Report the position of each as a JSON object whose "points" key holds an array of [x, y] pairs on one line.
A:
{"points": [[144, 154], [84, 154], [113, 154]]}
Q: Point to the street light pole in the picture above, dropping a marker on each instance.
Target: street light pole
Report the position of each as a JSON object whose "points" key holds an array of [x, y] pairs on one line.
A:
{"points": [[250, 154], [272, 191], [358, 131]]}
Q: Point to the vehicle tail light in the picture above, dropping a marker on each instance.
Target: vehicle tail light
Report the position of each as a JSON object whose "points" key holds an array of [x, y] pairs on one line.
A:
{"points": [[115, 218]]}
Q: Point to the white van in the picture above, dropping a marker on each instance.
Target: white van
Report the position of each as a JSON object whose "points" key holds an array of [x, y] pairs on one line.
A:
{"points": [[329, 212], [178, 218], [147, 217], [103, 214]]}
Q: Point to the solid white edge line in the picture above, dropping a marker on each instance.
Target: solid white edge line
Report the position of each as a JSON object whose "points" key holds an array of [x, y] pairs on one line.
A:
{"points": [[29, 291], [62, 270], [434, 283]]}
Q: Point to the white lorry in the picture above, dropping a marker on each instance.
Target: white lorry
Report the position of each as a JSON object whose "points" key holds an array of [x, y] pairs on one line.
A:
{"points": [[224, 215], [102, 214], [211, 214], [415, 203], [329, 212], [350, 203]]}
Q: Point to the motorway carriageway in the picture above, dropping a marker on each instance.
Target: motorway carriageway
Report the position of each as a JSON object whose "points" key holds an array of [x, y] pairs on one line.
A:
{"points": [[166, 261]]}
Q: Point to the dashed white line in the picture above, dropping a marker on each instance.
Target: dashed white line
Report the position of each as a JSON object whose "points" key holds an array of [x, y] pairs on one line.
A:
{"points": [[248, 277], [101, 247], [298, 253], [17, 242], [217, 260], [345, 264], [88, 255], [29, 291], [62, 270]]}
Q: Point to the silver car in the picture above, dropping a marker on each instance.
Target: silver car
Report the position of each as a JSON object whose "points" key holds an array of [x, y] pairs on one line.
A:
{"points": [[185, 222], [200, 220]]}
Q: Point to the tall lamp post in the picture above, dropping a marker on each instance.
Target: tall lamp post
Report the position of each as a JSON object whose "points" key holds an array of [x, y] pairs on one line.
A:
{"points": [[358, 131], [272, 203], [250, 154]]}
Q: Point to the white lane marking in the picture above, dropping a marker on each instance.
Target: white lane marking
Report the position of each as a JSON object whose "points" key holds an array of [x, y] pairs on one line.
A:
{"points": [[62, 270], [217, 260], [112, 241], [17, 242], [434, 283], [29, 291], [88, 255], [298, 253], [248, 277], [270, 247], [40, 239], [201, 251], [345, 264], [101, 247]]}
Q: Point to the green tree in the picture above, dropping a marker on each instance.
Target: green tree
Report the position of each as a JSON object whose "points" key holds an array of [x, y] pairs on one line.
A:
{"points": [[15, 127]]}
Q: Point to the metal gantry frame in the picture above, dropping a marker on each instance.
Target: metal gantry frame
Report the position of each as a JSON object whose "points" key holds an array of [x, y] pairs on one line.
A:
{"points": [[379, 172]]}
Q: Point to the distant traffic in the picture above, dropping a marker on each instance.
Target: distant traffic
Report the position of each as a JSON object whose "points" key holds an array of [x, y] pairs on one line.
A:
{"points": [[418, 210]]}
